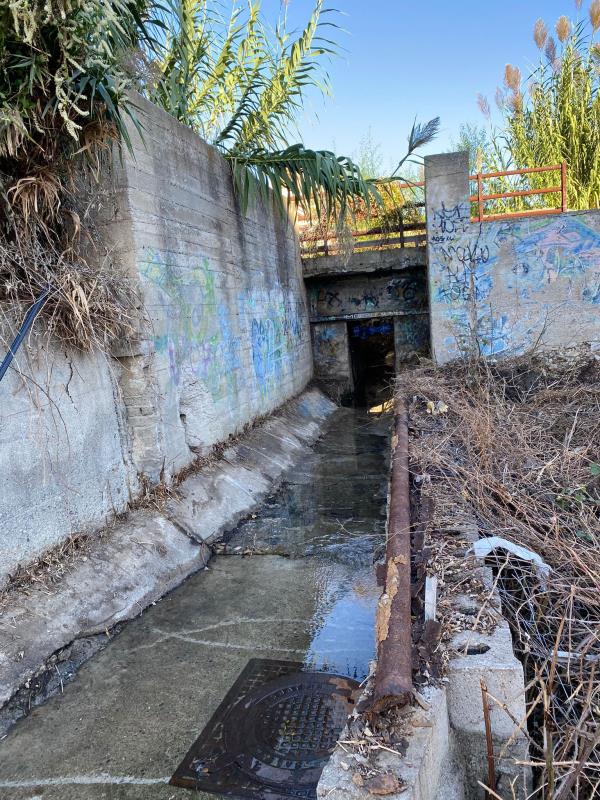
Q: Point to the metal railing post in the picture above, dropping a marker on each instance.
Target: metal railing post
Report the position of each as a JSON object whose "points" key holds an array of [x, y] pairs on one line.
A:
{"points": [[402, 227], [563, 185]]}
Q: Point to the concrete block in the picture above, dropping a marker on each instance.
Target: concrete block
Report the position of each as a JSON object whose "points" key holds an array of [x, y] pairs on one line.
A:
{"points": [[222, 339], [353, 296], [420, 768], [489, 658]]}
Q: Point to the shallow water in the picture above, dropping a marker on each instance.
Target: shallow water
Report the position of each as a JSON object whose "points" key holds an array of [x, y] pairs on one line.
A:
{"points": [[124, 723], [331, 509]]}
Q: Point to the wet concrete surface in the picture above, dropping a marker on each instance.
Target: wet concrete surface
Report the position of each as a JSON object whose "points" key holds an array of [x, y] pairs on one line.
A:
{"points": [[122, 726]]}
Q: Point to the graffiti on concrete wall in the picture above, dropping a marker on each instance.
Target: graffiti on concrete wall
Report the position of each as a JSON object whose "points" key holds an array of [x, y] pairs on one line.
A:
{"points": [[330, 350], [195, 333], [205, 331], [411, 334], [274, 321], [351, 297], [503, 284]]}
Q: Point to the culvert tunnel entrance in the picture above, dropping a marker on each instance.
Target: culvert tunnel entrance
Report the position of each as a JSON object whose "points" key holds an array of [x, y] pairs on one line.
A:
{"points": [[372, 356]]}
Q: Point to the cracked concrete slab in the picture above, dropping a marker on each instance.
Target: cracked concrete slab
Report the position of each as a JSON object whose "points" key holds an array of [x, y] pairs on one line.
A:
{"points": [[124, 723]]}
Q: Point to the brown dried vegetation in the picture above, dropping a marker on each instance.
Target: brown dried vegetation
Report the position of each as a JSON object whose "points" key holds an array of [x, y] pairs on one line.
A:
{"points": [[519, 451]]}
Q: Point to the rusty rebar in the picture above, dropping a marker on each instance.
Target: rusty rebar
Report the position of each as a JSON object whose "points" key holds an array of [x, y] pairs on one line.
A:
{"points": [[489, 742], [393, 679]]}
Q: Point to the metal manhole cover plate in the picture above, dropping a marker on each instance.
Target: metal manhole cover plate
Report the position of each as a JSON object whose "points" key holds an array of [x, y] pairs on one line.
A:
{"points": [[272, 735]]}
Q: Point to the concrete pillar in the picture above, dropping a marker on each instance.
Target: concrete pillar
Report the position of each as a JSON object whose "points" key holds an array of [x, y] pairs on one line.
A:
{"points": [[332, 362], [446, 183], [448, 221]]}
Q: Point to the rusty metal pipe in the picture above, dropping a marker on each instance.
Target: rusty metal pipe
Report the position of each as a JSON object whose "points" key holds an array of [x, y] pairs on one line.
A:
{"points": [[393, 679]]}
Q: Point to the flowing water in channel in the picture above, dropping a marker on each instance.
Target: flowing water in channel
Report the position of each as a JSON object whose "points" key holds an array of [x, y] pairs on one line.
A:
{"points": [[307, 593], [331, 509]]}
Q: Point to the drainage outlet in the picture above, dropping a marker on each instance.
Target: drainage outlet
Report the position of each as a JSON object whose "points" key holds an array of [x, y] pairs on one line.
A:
{"points": [[272, 735]]}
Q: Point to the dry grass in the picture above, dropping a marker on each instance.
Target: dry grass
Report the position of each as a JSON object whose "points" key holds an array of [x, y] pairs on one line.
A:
{"points": [[519, 451], [48, 570], [91, 303], [52, 240]]}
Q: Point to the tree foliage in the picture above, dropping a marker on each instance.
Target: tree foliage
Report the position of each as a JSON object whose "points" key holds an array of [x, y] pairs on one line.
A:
{"points": [[554, 115], [241, 86]]}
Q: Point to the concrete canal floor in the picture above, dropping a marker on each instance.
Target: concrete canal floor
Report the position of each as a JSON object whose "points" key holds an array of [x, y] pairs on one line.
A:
{"points": [[124, 723]]}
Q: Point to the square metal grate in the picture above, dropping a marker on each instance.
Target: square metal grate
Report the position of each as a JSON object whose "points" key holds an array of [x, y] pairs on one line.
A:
{"points": [[272, 735]]}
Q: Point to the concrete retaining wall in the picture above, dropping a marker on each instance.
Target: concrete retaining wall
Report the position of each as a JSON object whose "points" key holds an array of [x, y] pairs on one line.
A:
{"points": [[63, 449], [223, 339], [227, 338], [501, 287]]}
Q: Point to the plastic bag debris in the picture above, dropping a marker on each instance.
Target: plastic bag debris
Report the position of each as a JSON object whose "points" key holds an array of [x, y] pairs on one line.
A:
{"points": [[483, 547]]}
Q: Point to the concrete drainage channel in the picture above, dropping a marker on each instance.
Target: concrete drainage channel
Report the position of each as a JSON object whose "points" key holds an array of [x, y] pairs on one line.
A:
{"points": [[293, 583], [290, 592]]}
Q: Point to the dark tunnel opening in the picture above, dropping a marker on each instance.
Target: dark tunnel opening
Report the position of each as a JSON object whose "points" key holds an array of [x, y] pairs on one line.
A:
{"points": [[373, 360]]}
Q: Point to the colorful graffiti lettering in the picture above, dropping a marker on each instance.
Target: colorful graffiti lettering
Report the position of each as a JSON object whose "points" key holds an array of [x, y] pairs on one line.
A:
{"points": [[202, 333], [499, 282]]}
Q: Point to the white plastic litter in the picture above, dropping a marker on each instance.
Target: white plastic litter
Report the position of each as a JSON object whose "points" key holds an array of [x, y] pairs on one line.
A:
{"points": [[483, 547], [431, 584]]}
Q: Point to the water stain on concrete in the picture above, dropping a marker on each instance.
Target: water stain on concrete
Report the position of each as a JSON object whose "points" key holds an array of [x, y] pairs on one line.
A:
{"points": [[124, 723]]}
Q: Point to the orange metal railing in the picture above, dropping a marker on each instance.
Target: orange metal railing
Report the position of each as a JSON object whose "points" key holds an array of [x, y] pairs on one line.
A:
{"points": [[395, 235], [480, 198], [400, 234]]}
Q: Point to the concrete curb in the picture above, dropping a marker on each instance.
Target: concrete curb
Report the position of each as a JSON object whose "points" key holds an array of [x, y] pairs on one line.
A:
{"points": [[137, 561]]}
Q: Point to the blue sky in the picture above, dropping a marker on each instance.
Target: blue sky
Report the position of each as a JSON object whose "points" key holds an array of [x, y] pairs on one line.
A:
{"points": [[405, 58]]}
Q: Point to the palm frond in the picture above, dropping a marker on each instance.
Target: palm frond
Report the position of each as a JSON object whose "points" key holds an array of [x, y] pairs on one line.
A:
{"points": [[295, 66], [313, 179], [242, 88]]}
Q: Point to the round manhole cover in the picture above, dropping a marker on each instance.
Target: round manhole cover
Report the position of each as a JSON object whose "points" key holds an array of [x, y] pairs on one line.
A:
{"points": [[272, 734], [285, 731]]}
